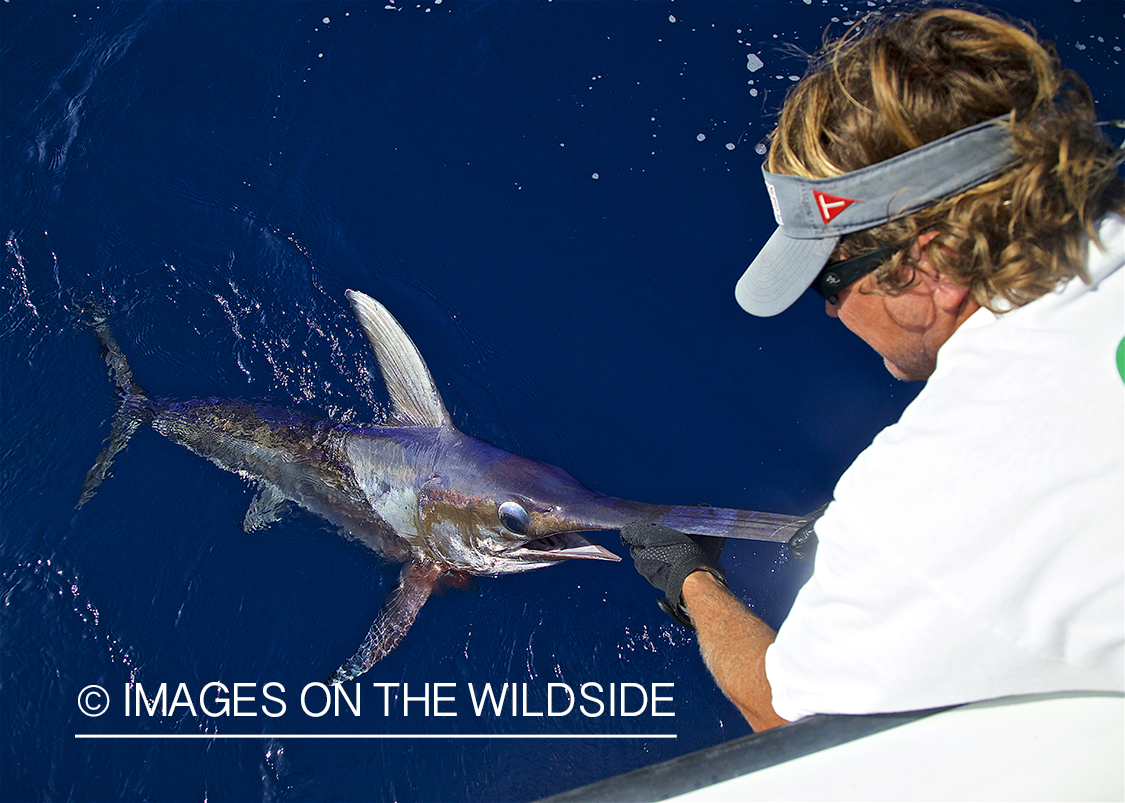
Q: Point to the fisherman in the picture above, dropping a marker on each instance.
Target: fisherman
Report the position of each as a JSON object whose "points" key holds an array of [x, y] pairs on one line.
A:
{"points": [[942, 182]]}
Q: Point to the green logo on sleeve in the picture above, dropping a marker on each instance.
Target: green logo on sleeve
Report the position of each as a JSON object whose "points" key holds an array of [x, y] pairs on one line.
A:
{"points": [[1121, 358]]}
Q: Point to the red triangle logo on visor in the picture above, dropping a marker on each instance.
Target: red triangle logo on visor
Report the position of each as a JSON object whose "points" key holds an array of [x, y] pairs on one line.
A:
{"points": [[832, 205]]}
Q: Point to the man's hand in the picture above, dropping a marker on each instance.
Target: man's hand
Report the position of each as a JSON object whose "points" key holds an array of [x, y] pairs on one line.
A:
{"points": [[804, 541], [665, 557]]}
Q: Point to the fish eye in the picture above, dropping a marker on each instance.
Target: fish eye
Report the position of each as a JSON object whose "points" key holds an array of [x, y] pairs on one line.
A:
{"points": [[514, 517]]}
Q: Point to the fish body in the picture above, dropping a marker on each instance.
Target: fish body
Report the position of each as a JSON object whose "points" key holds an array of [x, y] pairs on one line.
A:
{"points": [[414, 489]]}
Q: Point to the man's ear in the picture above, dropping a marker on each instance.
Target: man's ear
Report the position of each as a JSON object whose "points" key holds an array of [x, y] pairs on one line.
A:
{"points": [[947, 294]]}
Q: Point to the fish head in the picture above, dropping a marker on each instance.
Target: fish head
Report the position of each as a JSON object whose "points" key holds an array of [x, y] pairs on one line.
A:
{"points": [[488, 511]]}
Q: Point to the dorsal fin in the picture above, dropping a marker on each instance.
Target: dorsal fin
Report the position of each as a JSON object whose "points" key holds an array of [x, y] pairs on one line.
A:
{"points": [[414, 397]]}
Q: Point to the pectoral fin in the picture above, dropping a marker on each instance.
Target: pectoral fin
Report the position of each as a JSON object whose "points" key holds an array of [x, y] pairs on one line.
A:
{"points": [[268, 506], [395, 617]]}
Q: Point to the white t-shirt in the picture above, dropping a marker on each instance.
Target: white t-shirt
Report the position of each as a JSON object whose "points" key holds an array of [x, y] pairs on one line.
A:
{"points": [[977, 548]]}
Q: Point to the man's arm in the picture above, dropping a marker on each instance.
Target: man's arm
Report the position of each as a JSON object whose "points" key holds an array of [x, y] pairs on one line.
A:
{"points": [[732, 639], [733, 642]]}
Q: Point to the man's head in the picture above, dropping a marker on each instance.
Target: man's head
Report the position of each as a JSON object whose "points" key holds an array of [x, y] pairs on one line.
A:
{"points": [[937, 96]]}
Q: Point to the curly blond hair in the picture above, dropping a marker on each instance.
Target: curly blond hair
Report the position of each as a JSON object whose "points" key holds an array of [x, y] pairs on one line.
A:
{"points": [[887, 86]]}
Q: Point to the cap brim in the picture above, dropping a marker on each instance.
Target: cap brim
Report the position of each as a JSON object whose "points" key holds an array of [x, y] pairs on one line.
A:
{"points": [[782, 271]]}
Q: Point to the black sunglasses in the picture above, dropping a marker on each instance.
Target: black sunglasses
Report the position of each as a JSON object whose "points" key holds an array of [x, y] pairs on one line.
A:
{"points": [[838, 275]]}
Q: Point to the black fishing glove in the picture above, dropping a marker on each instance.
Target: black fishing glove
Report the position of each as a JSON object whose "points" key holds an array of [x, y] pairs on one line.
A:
{"points": [[665, 557], [803, 542]]}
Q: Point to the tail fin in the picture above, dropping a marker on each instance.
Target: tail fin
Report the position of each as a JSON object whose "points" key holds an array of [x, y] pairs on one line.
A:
{"points": [[133, 410]]}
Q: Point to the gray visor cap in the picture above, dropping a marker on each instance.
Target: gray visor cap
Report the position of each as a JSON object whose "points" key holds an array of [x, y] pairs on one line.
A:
{"points": [[812, 214]]}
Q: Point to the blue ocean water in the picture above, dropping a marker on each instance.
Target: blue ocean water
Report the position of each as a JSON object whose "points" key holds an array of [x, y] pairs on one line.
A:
{"points": [[555, 200]]}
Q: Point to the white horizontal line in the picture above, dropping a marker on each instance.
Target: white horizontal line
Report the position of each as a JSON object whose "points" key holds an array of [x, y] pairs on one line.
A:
{"points": [[375, 736]]}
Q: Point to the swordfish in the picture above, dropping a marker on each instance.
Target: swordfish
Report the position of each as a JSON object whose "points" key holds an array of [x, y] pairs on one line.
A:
{"points": [[413, 488]]}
